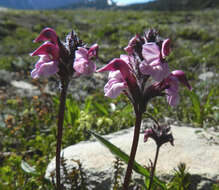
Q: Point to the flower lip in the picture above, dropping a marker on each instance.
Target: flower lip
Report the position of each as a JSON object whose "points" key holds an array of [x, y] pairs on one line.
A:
{"points": [[45, 69], [47, 34]]}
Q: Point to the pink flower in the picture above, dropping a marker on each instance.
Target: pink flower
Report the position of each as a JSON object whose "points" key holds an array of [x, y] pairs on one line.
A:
{"points": [[120, 77], [83, 63], [172, 81], [130, 48], [47, 65], [152, 63], [115, 85]]}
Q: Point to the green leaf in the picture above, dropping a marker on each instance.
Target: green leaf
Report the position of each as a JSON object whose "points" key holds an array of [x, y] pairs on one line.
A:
{"points": [[101, 109], [88, 103], [123, 156], [196, 106], [208, 105], [28, 169], [72, 112]]}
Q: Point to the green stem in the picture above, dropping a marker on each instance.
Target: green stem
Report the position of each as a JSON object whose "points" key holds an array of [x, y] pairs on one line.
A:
{"points": [[133, 149], [154, 167], [61, 113]]}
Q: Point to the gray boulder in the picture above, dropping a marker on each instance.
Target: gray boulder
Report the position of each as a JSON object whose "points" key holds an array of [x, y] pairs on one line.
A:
{"points": [[198, 149]]}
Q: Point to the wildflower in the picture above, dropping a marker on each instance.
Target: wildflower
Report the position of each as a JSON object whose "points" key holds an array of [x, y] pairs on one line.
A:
{"points": [[83, 63], [48, 63], [130, 48], [160, 134], [172, 83], [120, 77], [153, 63], [130, 74], [64, 59]]}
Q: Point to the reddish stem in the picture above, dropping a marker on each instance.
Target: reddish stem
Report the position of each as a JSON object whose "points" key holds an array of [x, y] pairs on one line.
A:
{"points": [[133, 149], [61, 113], [154, 167]]}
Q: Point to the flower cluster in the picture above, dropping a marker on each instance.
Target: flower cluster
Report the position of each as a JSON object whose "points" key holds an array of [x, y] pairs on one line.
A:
{"points": [[160, 134], [65, 58], [145, 58]]}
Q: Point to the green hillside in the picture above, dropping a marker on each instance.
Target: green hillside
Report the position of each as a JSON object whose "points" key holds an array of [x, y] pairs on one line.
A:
{"points": [[28, 124]]}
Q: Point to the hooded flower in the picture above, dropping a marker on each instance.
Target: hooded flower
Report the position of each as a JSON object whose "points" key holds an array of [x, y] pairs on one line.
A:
{"points": [[130, 48], [47, 34], [83, 63], [160, 134], [153, 63], [120, 76], [172, 81], [47, 65]]}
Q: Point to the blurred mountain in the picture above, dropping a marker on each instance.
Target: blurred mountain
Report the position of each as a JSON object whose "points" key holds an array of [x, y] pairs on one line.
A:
{"points": [[103, 4], [168, 5], [52, 4]]}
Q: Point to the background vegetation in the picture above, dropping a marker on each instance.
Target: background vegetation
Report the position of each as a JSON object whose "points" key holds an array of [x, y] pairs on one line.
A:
{"points": [[28, 124]]}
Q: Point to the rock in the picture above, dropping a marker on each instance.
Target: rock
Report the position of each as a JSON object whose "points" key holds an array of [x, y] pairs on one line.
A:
{"points": [[5, 77], [206, 76], [25, 89], [192, 147]]}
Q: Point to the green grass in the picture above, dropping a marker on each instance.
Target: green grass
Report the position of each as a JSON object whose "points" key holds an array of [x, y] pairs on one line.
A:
{"points": [[28, 126]]}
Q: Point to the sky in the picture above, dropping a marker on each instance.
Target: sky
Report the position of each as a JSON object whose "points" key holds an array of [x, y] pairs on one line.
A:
{"points": [[125, 2]]}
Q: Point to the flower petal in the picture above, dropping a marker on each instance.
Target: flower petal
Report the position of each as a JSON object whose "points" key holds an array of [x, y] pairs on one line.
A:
{"points": [[158, 71], [151, 52], [47, 48], [47, 34], [82, 64], [130, 48], [173, 99], [180, 75], [165, 50], [114, 87], [93, 51], [45, 69]]}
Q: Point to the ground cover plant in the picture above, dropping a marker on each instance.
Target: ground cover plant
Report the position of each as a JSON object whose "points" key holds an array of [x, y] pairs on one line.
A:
{"points": [[28, 125]]}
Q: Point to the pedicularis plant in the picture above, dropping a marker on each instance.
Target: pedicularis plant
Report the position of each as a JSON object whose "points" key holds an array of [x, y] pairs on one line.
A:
{"points": [[67, 60], [141, 74]]}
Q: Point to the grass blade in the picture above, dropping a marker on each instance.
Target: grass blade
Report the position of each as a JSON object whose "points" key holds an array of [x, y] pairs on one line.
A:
{"points": [[196, 106]]}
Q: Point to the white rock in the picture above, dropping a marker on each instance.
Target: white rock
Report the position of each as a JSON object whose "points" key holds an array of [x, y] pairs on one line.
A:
{"points": [[206, 76], [191, 146], [23, 85], [25, 89]]}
